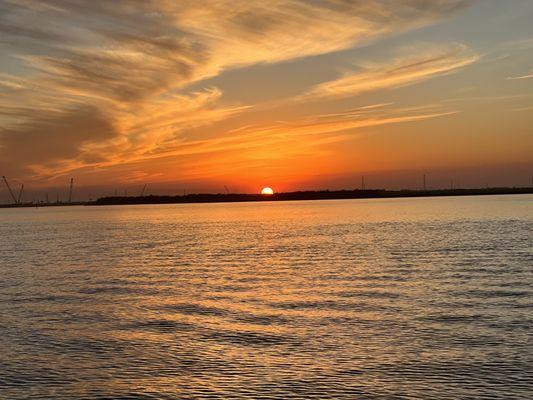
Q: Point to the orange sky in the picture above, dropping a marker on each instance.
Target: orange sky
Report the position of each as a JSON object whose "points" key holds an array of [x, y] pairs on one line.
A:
{"points": [[289, 94]]}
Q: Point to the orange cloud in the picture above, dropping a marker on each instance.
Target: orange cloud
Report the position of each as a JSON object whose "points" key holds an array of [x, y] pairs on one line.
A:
{"points": [[418, 65], [123, 68]]}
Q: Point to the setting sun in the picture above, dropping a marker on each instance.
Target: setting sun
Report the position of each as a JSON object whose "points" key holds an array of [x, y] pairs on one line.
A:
{"points": [[267, 191]]}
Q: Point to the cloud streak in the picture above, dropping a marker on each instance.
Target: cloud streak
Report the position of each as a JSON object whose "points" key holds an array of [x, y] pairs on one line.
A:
{"points": [[514, 78], [407, 70], [262, 146]]}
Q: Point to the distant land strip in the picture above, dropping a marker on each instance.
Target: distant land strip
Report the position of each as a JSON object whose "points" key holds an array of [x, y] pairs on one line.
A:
{"points": [[305, 195], [288, 196]]}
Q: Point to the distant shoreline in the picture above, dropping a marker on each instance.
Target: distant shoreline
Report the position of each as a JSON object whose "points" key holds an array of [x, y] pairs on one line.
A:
{"points": [[288, 196]]}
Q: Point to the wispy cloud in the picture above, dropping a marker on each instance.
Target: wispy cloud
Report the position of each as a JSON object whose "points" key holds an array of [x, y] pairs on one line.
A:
{"points": [[55, 142], [268, 144], [98, 83], [528, 108], [514, 78], [419, 64]]}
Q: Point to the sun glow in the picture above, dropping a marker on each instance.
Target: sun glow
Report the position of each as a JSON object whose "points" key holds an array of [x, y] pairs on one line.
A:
{"points": [[267, 191]]}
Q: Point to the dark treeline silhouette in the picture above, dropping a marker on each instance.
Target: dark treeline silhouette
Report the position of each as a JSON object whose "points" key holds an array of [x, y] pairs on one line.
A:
{"points": [[39, 204], [304, 195], [300, 195]]}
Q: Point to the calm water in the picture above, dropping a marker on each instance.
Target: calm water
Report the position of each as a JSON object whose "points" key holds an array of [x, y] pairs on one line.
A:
{"points": [[369, 299]]}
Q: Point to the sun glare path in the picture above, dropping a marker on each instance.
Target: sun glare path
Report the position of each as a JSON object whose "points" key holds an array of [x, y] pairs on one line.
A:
{"points": [[267, 191]]}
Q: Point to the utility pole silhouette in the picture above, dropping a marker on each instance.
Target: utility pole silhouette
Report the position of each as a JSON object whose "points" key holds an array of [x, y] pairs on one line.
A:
{"points": [[70, 190], [363, 182], [424, 182], [20, 194]]}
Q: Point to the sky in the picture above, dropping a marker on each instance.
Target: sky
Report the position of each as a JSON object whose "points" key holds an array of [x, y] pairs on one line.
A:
{"points": [[195, 96]]}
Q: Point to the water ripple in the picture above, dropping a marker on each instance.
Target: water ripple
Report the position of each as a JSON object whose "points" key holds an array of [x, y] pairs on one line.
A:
{"points": [[388, 299]]}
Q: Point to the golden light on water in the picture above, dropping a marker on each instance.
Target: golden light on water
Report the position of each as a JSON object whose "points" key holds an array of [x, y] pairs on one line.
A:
{"points": [[267, 191]]}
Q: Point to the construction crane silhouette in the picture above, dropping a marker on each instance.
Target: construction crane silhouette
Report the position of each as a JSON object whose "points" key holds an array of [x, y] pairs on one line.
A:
{"points": [[20, 193], [10, 191], [70, 190]]}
